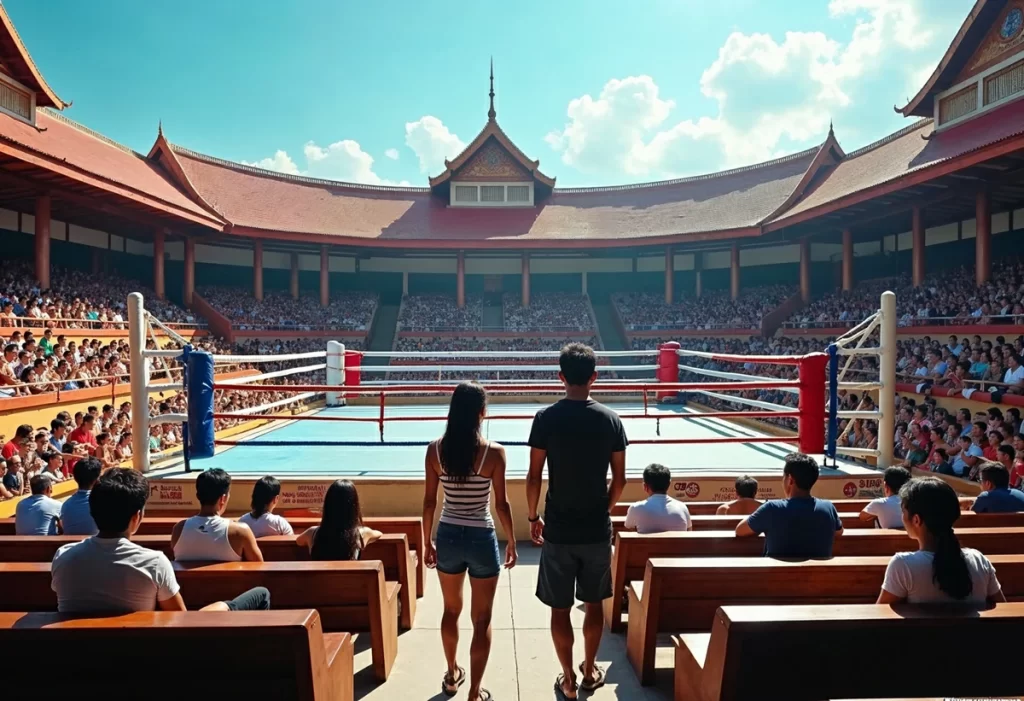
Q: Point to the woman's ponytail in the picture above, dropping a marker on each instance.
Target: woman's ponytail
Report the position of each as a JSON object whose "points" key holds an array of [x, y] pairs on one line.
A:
{"points": [[938, 506], [949, 569]]}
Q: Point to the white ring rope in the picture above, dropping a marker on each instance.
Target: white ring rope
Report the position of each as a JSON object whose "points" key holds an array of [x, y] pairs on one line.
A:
{"points": [[175, 336], [491, 368], [498, 354], [268, 358], [744, 400], [736, 376], [278, 373], [278, 403]]}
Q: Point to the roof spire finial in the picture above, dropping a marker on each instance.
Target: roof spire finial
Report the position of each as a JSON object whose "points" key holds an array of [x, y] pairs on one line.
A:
{"points": [[160, 128], [491, 114]]}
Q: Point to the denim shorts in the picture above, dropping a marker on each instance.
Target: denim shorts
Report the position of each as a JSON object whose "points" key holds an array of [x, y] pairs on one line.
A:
{"points": [[472, 548]]}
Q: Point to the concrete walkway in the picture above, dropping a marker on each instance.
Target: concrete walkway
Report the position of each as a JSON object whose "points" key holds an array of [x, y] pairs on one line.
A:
{"points": [[522, 665]]}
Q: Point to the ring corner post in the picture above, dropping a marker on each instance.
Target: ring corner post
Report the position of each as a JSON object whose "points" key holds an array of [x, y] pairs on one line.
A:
{"points": [[811, 403], [887, 379], [335, 371], [668, 367], [199, 381], [139, 381]]}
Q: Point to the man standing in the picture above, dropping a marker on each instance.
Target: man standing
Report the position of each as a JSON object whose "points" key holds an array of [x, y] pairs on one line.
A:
{"points": [[578, 438], [799, 526]]}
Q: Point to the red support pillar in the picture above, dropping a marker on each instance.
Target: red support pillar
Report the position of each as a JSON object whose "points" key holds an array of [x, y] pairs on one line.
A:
{"points": [[805, 270], [983, 242], [526, 280], [42, 241], [257, 270], [159, 237], [325, 277], [847, 260], [668, 366], [811, 403], [670, 270], [189, 277], [734, 271], [917, 242], [293, 281], [460, 279]]}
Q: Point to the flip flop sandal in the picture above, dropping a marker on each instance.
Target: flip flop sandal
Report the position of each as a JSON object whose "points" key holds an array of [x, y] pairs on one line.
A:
{"points": [[560, 692], [485, 695], [596, 683], [451, 686]]}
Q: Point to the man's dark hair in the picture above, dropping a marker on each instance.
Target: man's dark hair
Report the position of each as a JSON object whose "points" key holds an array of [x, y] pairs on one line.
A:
{"points": [[746, 487], [578, 363], [211, 485], [22, 432], [657, 477], [116, 497], [91, 409], [56, 424], [992, 472], [982, 425], [802, 468], [86, 472], [40, 483], [107, 407], [896, 477], [1008, 450]]}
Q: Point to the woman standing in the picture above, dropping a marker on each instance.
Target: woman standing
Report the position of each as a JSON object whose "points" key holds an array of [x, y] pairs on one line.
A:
{"points": [[467, 466], [341, 534], [940, 571]]}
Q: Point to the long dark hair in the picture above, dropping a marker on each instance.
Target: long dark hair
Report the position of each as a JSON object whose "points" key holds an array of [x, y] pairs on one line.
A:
{"points": [[338, 537], [939, 508], [462, 433], [263, 492]]}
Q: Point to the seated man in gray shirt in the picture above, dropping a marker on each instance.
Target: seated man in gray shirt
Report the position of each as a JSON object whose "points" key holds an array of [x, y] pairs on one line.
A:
{"points": [[74, 514], [38, 514]]}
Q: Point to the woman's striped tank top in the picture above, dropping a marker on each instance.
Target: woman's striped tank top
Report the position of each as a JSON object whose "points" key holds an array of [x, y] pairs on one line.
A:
{"points": [[466, 502]]}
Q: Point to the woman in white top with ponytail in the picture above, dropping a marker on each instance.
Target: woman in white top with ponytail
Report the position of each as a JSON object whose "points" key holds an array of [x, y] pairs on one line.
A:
{"points": [[467, 466], [261, 519]]}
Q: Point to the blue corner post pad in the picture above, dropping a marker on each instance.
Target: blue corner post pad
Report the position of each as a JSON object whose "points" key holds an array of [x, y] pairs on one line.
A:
{"points": [[833, 400], [199, 385]]}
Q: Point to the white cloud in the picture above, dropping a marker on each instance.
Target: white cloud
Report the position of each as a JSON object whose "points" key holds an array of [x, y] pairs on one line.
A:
{"points": [[392, 153], [343, 160], [432, 143], [772, 96]]}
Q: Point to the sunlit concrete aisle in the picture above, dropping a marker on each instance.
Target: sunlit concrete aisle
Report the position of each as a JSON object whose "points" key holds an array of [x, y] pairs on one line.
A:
{"points": [[522, 665]]}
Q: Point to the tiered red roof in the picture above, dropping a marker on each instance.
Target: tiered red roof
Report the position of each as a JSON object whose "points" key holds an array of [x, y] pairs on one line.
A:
{"points": [[17, 63]]}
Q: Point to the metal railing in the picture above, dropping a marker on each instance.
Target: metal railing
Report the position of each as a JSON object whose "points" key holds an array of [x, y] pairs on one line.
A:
{"points": [[993, 319], [30, 323]]}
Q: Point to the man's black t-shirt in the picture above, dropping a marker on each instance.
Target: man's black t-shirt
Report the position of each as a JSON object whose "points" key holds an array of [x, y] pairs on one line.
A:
{"points": [[579, 437]]}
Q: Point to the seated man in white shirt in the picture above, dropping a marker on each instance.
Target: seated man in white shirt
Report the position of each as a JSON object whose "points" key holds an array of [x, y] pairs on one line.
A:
{"points": [[746, 501], [659, 512], [209, 536], [108, 573], [887, 512]]}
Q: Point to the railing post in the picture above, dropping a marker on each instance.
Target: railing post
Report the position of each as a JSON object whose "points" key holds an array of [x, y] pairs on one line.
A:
{"points": [[887, 378], [139, 380]]}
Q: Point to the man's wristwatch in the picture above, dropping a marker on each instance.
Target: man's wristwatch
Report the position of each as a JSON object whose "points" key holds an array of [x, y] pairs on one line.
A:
{"points": [[533, 520]]}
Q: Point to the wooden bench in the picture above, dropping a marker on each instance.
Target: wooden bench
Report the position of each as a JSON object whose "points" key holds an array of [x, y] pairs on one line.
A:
{"points": [[968, 519], [349, 596], [710, 508], [632, 551], [392, 550], [410, 526], [842, 652], [269, 654], [682, 594]]}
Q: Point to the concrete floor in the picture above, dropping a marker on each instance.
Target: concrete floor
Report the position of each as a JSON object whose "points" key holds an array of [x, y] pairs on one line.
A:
{"points": [[522, 665]]}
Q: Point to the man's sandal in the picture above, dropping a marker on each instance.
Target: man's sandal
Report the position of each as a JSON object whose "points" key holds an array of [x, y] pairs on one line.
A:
{"points": [[591, 684], [560, 692], [450, 685]]}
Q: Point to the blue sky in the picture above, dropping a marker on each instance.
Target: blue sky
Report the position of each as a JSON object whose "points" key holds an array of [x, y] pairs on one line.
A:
{"points": [[382, 92]]}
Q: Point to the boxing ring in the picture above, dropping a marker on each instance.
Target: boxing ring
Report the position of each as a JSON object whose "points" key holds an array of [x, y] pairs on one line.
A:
{"points": [[364, 425]]}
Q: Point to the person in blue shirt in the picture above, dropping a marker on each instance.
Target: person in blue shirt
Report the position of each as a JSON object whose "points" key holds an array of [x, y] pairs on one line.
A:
{"points": [[75, 516], [799, 526], [997, 497], [38, 514]]}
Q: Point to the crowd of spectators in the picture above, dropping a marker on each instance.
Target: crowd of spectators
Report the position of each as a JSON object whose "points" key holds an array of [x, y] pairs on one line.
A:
{"points": [[440, 312], [713, 310], [75, 300], [348, 311], [557, 311]]}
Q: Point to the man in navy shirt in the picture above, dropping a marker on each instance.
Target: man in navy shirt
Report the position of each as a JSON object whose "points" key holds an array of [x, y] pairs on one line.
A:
{"points": [[997, 498], [798, 526]]}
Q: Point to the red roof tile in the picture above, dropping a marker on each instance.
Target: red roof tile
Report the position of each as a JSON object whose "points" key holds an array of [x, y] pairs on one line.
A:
{"points": [[20, 65], [909, 151], [252, 198], [61, 145]]}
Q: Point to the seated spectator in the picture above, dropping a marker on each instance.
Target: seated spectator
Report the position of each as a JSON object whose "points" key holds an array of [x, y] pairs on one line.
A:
{"points": [[746, 501], [22, 437], [208, 535], [886, 511], [939, 462], [261, 519], [997, 497], [967, 460], [4, 492], [940, 571], [38, 514], [659, 512], [341, 534], [85, 434], [108, 573], [799, 526], [14, 479], [75, 517]]}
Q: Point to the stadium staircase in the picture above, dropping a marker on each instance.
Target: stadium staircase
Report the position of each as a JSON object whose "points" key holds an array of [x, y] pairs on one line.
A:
{"points": [[382, 335], [494, 314], [610, 330]]}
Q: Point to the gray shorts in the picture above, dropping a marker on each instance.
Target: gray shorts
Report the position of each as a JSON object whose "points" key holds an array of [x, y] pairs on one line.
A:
{"points": [[582, 570]]}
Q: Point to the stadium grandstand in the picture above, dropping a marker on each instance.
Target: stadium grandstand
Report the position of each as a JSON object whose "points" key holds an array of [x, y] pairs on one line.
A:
{"points": [[157, 322]]}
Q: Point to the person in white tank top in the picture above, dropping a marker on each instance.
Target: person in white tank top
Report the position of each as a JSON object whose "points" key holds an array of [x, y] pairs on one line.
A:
{"points": [[209, 536], [261, 519]]}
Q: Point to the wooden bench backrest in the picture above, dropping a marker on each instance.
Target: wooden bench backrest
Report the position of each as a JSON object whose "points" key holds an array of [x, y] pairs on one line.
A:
{"points": [[858, 651], [709, 508], [275, 654]]}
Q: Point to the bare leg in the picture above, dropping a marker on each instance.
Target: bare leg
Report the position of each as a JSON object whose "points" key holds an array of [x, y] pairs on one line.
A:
{"points": [[451, 591], [480, 608], [562, 637], [593, 627]]}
